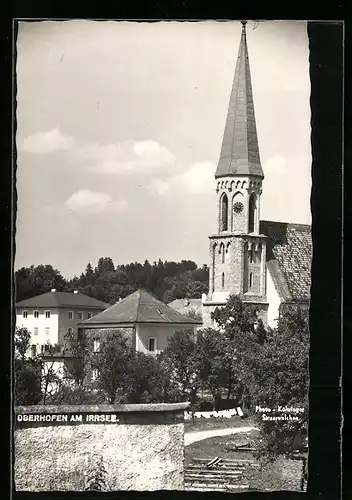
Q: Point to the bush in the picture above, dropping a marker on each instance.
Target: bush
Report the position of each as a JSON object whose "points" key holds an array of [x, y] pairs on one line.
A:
{"points": [[226, 404], [76, 396], [205, 406], [27, 382]]}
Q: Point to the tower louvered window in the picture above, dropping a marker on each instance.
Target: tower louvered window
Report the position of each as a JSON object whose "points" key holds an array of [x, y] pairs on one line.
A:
{"points": [[224, 212], [252, 213]]}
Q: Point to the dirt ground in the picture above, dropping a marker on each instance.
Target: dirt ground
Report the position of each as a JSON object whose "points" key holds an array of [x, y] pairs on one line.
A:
{"points": [[267, 477], [201, 424]]}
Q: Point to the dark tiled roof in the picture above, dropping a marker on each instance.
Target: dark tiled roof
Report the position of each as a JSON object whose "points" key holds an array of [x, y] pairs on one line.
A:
{"points": [[289, 258], [240, 151], [139, 307], [62, 299]]}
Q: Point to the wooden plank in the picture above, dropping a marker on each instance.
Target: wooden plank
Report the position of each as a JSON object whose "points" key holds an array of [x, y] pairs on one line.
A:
{"points": [[211, 478], [215, 486], [225, 460], [201, 477], [223, 470]]}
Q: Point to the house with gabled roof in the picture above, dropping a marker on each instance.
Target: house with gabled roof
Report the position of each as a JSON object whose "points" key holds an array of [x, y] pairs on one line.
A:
{"points": [[145, 320], [50, 316]]}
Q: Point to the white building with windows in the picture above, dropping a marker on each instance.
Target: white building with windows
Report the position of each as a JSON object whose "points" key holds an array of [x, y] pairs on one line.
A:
{"points": [[50, 316]]}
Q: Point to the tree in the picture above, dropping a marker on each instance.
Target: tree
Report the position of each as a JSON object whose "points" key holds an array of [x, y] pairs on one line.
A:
{"points": [[201, 274], [148, 381], [236, 316], [37, 280], [82, 395], [35, 377], [75, 387], [78, 347], [27, 382], [104, 264], [113, 363], [280, 377], [85, 280], [51, 378], [24, 283], [89, 275], [188, 265], [214, 372], [238, 323], [195, 289], [194, 314], [22, 343], [166, 280], [27, 371], [180, 356]]}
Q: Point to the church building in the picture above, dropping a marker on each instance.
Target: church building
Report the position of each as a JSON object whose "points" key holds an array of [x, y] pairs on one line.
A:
{"points": [[265, 263]]}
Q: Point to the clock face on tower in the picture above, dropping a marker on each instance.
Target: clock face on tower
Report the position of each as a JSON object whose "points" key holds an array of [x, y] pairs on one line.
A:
{"points": [[238, 207]]}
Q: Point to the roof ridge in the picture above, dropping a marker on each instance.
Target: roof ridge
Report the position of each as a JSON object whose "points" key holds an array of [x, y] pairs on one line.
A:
{"points": [[58, 299], [161, 303], [289, 224], [143, 308], [180, 314], [139, 291]]}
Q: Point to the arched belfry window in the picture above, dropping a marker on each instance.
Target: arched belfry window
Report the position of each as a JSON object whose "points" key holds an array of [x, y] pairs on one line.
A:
{"points": [[222, 251], [224, 212], [245, 269], [251, 254], [252, 212], [213, 269]]}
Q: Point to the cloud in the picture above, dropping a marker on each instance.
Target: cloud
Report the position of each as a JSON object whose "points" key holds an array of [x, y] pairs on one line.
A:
{"points": [[89, 202], [198, 179], [276, 165], [159, 186], [121, 158], [47, 142], [128, 157]]}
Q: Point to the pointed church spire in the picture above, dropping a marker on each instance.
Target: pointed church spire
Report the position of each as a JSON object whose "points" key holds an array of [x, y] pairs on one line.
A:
{"points": [[240, 152]]}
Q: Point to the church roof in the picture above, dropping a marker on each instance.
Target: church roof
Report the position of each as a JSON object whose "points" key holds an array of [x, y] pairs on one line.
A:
{"points": [[289, 258], [184, 306], [240, 151], [139, 307], [62, 299]]}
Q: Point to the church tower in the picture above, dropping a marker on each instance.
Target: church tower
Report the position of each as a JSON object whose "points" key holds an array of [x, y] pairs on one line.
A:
{"points": [[238, 250]]}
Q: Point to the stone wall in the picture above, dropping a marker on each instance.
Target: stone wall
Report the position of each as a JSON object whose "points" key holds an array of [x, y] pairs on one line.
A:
{"points": [[132, 447], [101, 333]]}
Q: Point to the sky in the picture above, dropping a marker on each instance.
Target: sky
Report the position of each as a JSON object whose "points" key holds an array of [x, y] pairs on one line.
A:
{"points": [[119, 130]]}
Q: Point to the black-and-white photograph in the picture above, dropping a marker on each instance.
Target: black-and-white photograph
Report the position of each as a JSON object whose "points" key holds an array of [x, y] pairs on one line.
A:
{"points": [[163, 255]]}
